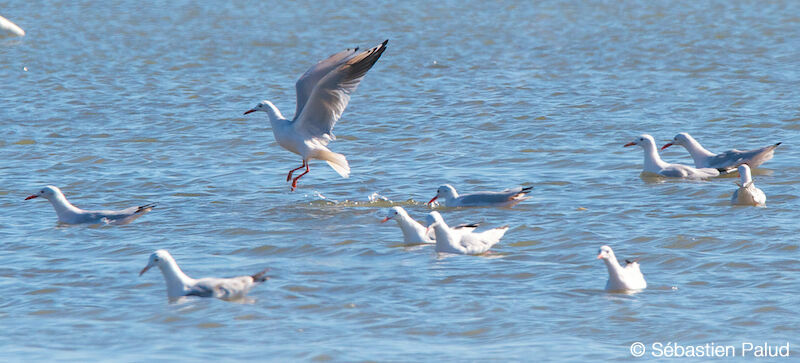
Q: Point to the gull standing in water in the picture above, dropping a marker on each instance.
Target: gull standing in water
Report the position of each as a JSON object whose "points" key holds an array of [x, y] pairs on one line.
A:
{"points": [[179, 284], [628, 277], [466, 243], [725, 160], [748, 194], [416, 233], [654, 164], [70, 214], [322, 95], [505, 198]]}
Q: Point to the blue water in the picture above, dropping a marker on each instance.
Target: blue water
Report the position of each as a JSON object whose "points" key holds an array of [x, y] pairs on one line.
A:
{"points": [[121, 103]]}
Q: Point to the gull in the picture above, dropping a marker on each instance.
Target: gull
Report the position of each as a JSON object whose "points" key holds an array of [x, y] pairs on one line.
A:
{"points": [[654, 164], [179, 285], [416, 233], [628, 277], [462, 243], [505, 198], [70, 214], [748, 194], [322, 95], [7, 27], [725, 160]]}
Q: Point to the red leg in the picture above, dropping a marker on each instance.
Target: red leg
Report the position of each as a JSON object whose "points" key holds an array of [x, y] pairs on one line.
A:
{"points": [[289, 177], [294, 182]]}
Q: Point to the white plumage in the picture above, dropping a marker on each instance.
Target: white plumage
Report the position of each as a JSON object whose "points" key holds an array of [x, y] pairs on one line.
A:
{"points": [[449, 240], [620, 278], [748, 194], [8, 27], [416, 233]]}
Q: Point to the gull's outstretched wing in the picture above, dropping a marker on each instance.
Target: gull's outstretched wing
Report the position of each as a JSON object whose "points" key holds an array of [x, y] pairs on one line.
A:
{"points": [[332, 93], [305, 85]]}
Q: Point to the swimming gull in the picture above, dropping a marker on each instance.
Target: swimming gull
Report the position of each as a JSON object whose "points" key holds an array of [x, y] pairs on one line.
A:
{"points": [[463, 243], [628, 277], [70, 214], [505, 198], [748, 194], [416, 233], [179, 284]]}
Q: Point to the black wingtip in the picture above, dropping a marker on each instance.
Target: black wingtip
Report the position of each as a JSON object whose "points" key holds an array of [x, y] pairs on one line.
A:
{"points": [[527, 189], [385, 42], [146, 206], [779, 144], [261, 276]]}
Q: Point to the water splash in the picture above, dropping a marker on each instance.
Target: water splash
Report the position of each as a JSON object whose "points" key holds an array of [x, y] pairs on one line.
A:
{"points": [[375, 197]]}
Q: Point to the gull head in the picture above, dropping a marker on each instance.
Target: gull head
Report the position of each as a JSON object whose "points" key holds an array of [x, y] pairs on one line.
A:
{"points": [[605, 253], [745, 174], [393, 212], [679, 139], [445, 191], [261, 106], [433, 219], [643, 140], [159, 258], [46, 192]]}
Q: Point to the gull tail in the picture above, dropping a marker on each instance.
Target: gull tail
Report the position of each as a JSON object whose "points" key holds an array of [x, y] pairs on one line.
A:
{"points": [[145, 208], [337, 161], [261, 276], [494, 235]]}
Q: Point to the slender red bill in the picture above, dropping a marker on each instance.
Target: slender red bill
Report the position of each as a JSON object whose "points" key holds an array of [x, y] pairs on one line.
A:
{"points": [[248, 111], [144, 270], [666, 145], [385, 219], [31, 197], [599, 256], [629, 144], [434, 198]]}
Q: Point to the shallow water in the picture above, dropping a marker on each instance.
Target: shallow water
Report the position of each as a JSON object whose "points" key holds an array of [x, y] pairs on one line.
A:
{"points": [[119, 103]]}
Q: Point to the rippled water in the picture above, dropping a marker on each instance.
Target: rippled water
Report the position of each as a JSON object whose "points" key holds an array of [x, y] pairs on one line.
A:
{"points": [[120, 103]]}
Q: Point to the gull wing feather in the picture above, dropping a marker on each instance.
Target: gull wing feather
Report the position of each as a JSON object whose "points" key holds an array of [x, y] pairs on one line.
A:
{"points": [[201, 290], [331, 94], [481, 198], [305, 85], [733, 158]]}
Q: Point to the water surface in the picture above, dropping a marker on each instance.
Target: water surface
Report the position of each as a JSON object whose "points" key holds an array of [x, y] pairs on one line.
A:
{"points": [[120, 103]]}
